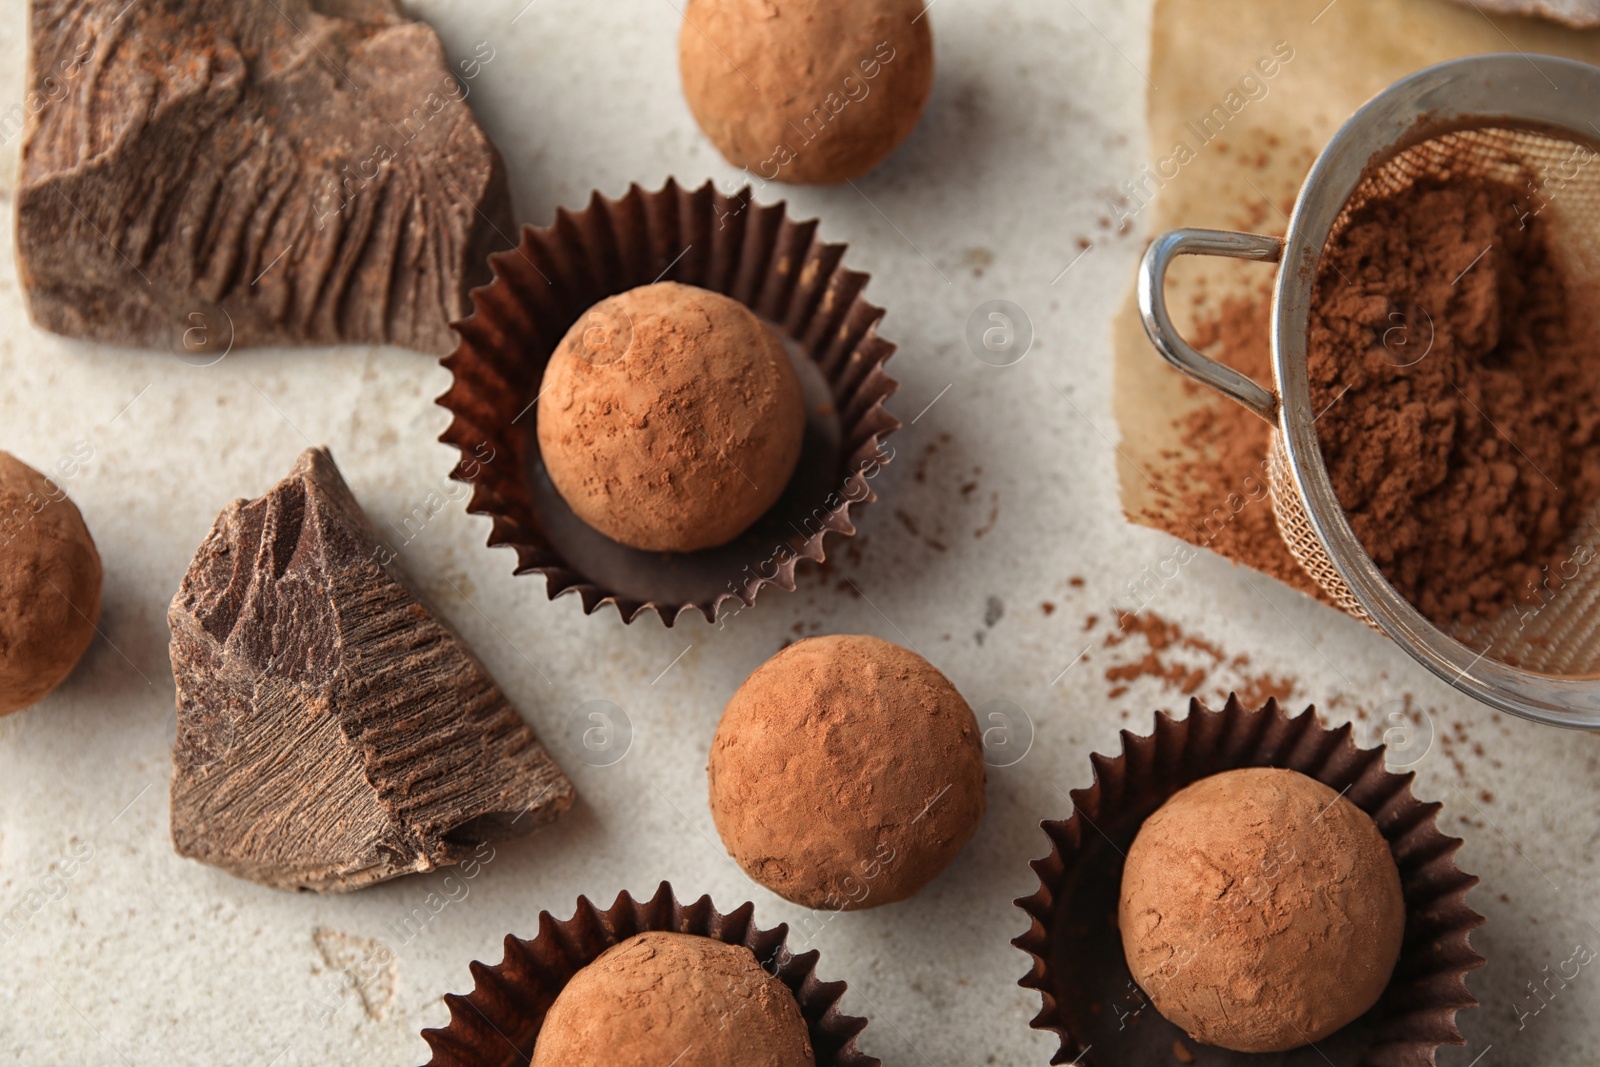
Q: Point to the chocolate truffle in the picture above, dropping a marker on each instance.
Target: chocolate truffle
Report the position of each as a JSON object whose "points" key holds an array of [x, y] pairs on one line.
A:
{"points": [[670, 418], [663, 998], [49, 585], [846, 773], [814, 91], [1260, 910]]}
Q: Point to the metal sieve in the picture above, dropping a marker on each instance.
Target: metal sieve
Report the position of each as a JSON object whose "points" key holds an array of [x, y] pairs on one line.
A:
{"points": [[1495, 116]]}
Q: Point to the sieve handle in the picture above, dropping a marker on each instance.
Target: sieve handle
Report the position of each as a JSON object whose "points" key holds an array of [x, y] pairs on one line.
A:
{"points": [[1158, 324]]}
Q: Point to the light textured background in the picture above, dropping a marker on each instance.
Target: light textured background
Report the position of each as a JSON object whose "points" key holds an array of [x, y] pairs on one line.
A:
{"points": [[142, 957]]}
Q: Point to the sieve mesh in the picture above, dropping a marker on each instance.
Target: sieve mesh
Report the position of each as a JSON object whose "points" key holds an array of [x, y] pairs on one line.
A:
{"points": [[1558, 632]]}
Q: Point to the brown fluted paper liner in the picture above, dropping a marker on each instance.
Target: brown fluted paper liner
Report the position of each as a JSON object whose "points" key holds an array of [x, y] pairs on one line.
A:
{"points": [[497, 1024], [753, 253], [1090, 999]]}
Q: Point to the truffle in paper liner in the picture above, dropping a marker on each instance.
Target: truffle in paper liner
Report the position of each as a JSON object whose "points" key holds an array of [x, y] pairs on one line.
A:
{"points": [[753, 253], [497, 1024], [1090, 999]]}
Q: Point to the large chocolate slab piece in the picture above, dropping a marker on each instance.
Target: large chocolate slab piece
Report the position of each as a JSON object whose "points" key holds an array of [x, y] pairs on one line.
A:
{"points": [[332, 733], [212, 174]]}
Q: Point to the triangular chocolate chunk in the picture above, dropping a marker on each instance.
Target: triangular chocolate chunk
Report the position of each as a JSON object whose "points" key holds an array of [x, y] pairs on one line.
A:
{"points": [[332, 732], [214, 174]]}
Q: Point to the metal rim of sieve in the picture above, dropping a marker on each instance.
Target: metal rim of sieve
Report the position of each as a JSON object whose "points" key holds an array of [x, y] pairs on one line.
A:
{"points": [[1546, 94]]}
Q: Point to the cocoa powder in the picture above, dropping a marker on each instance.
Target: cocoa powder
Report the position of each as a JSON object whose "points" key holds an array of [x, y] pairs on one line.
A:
{"points": [[1184, 663], [1220, 498], [1458, 378]]}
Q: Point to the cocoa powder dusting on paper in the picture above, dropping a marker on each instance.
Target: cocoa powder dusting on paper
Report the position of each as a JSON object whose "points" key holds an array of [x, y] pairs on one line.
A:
{"points": [[1221, 500], [1459, 376]]}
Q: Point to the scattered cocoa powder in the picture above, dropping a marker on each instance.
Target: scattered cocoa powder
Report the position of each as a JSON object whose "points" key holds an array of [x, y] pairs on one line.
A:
{"points": [[1459, 376], [992, 520], [930, 451], [1184, 663], [1256, 690]]}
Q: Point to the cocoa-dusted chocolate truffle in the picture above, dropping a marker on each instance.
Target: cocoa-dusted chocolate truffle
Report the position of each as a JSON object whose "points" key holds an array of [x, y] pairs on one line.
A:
{"points": [[847, 772], [49, 585], [670, 418], [663, 998], [812, 91], [1261, 910]]}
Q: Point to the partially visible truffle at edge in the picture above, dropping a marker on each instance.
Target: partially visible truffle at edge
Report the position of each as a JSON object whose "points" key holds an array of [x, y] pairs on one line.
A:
{"points": [[816, 91], [49, 585], [662, 998]]}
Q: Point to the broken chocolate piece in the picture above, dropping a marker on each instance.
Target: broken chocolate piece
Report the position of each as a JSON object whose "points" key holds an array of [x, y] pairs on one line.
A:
{"points": [[332, 732], [222, 173]]}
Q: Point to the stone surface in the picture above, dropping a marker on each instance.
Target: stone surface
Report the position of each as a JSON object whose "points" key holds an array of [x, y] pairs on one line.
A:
{"points": [[225, 173], [332, 733]]}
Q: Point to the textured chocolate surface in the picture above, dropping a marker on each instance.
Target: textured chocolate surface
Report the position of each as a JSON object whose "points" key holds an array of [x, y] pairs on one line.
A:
{"points": [[332, 733], [223, 173]]}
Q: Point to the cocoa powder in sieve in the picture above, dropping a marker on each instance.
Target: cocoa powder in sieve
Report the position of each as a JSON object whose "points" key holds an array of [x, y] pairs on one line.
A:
{"points": [[1458, 377]]}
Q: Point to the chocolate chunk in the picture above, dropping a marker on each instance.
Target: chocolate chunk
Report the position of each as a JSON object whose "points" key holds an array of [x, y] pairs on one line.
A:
{"points": [[332, 732], [214, 174]]}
